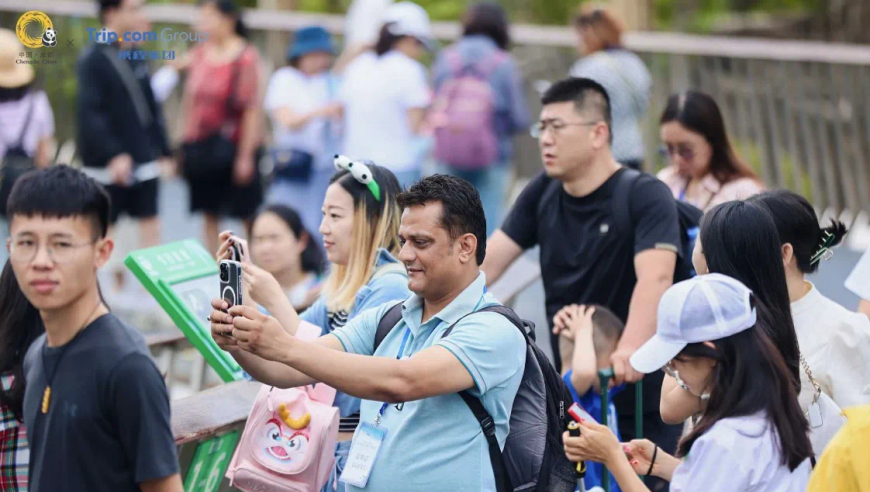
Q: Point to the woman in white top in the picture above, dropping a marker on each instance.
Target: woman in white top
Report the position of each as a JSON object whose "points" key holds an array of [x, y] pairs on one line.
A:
{"points": [[834, 341], [385, 94], [26, 118], [26, 115], [301, 103], [752, 435]]}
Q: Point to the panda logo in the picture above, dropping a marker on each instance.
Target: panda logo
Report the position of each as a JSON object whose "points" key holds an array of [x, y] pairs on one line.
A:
{"points": [[49, 38]]}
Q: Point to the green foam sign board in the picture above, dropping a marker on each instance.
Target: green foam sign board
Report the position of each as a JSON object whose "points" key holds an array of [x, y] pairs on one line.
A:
{"points": [[210, 462], [183, 278]]}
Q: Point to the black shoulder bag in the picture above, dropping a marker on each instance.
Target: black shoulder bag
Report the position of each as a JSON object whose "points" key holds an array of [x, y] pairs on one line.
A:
{"points": [[16, 162], [213, 157]]}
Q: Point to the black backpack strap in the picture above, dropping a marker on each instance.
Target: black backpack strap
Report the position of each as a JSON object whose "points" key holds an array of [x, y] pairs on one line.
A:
{"points": [[19, 144], [487, 424], [502, 479], [621, 201], [27, 119], [388, 322], [526, 327]]}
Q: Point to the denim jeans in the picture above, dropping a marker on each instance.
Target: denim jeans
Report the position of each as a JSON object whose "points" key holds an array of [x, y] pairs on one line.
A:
{"points": [[341, 451], [491, 184]]}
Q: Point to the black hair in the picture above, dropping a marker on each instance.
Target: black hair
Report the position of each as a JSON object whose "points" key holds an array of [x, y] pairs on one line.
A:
{"points": [[699, 113], [587, 96], [105, 5], [797, 225], [462, 210], [740, 240], [58, 192], [386, 40], [751, 376], [20, 325], [312, 259], [387, 182], [488, 19], [607, 328], [230, 8]]}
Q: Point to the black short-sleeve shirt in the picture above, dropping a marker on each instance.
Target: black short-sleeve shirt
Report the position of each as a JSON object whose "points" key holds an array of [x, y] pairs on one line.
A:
{"points": [[585, 257], [108, 424]]}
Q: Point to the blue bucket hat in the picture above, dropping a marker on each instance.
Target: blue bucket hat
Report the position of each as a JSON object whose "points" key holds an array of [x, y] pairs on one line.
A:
{"points": [[310, 40]]}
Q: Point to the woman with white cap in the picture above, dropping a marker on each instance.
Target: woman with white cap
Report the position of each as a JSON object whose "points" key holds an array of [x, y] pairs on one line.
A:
{"points": [[752, 434], [385, 94]]}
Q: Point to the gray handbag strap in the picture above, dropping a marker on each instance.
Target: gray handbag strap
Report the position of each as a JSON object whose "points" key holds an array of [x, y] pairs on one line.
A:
{"points": [[133, 88]]}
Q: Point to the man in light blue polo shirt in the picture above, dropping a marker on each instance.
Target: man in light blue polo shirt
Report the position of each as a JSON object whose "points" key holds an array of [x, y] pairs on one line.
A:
{"points": [[426, 437]]}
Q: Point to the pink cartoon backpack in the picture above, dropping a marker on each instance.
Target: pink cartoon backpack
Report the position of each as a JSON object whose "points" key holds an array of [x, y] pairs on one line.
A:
{"points": [[289, 441]]}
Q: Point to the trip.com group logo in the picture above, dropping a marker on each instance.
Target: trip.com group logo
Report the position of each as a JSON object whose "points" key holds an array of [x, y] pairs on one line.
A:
{"points": [[35, 30]]}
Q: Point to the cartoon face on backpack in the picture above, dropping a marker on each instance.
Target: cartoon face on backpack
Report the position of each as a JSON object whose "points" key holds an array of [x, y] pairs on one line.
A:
{"points": [[283, 440]]}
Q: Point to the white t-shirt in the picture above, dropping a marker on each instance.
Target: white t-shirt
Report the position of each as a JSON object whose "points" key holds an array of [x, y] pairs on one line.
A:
{"points": [[836, 345], [13, 115], [739, 454], [859, 280], [301, 93], [377, 93]]}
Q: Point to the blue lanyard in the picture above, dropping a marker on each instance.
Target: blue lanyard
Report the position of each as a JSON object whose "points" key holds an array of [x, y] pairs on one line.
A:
{"points": [[398, 357], [402, 351]]}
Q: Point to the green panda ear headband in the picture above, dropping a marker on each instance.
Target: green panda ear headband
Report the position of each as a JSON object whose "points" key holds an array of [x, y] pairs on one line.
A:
{"points": [[360, 171]]}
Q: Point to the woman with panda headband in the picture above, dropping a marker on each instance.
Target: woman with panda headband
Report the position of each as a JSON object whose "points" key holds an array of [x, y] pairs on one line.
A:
{"points": [[360, 229]]}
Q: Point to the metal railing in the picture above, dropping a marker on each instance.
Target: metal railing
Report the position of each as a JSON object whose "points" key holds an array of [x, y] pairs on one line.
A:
{"points": [[799, 112]]}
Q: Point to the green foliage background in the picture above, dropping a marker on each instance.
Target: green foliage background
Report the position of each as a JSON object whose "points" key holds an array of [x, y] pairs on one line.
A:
{"points": [[59, 80]]}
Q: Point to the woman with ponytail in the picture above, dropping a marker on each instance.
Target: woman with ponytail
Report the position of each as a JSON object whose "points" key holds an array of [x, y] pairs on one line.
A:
{"points": [[834, 342], [222, 129]]}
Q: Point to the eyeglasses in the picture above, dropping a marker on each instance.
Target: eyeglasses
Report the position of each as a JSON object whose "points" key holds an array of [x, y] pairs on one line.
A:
{"points": [[685, 153], [59, 251], [557, 126]]}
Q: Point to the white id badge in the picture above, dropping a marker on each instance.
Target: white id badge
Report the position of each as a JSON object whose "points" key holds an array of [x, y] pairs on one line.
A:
{"points": [[363, 453], [815, 415]]}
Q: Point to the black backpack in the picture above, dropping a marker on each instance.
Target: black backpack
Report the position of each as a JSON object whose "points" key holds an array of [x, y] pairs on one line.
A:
{"points": [[689, 217], [16, 162], [533, 459]]}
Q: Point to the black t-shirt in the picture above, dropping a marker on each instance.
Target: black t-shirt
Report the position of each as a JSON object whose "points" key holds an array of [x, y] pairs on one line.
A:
{"points": [[585, 258], [108, 425]]}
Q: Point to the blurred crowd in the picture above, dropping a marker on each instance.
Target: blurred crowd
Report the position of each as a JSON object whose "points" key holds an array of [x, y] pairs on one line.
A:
{"points": [[375, 217]]}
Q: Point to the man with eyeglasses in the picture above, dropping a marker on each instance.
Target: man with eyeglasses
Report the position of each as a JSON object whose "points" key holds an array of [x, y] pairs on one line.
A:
{"points": [[95, 406], [569, 211]]}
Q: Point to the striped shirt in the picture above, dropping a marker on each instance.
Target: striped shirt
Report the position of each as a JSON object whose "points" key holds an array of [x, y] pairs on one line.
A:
{"points": [[14, 448], [627, 82]]}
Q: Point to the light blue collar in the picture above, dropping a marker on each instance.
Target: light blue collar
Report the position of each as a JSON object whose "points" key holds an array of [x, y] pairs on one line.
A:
{"points": [[467, 301]]}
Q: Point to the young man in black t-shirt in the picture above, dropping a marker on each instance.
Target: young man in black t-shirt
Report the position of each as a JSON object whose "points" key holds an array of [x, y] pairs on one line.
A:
{"points": [[569, 211], [95, 406]]}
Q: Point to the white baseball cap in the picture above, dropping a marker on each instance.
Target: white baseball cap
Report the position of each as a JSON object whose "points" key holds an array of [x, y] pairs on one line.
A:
{"points": [[703, 309], [410, 19]]}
